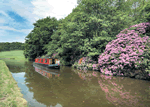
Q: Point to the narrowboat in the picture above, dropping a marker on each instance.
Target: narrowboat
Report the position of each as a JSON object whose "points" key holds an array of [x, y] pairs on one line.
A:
{"points": [[48, 62], [46, 73]]}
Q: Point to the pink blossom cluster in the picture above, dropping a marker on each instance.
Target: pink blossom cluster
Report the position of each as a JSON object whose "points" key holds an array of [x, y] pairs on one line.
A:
{"points": [[126, 50], [86, 60], [95, 67]]}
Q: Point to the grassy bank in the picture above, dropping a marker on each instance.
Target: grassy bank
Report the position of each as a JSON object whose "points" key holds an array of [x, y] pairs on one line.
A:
{"points": [[14, 59], [10, 95]]}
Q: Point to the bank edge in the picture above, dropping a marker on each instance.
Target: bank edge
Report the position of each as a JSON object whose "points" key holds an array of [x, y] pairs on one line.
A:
{"points": [[10, 94]]}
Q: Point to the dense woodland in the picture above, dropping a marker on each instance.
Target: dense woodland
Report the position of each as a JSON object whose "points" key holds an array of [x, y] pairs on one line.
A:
{"points": [[85, 31], [6, 46]]}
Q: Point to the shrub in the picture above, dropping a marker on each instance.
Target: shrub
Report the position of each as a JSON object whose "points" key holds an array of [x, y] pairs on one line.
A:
{"points": [[95, 66], [127, 52], [85, 60], [84, 63]]}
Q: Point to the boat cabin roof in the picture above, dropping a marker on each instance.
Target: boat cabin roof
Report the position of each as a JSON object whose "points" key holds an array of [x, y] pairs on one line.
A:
{"points": [[47, 58]]}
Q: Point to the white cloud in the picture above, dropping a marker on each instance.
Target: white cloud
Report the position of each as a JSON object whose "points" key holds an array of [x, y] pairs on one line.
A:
{"points": [[3, 13], [20, 7], [53, 8], [4, 33], [31, 11], [26, 31], [7, 28], [38, 9], [5, 18], [2, 20]]}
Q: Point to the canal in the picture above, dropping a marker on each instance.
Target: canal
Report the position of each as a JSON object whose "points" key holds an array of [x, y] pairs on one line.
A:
{"points": [[68, 87]]}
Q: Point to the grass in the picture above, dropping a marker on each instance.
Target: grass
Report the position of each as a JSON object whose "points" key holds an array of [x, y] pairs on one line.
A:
{"points": [[16, 54], [15, 59], [10, 95]]}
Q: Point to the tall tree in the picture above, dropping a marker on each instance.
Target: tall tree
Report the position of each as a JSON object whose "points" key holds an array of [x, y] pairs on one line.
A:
{"points": [[40, 36]]}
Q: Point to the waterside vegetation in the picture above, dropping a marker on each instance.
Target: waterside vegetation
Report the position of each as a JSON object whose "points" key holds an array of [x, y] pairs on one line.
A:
{"points": [[128, 55], [10, 95], [90, 31]]}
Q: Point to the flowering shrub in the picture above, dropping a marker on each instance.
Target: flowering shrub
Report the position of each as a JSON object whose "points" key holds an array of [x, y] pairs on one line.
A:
{"points": [[84, 63], [126, 52], [95, 66], [89, 65], [80, 60], [85, 60]]}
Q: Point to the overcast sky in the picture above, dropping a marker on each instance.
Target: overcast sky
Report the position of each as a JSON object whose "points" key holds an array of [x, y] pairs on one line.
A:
{"points": [[17, 16]]}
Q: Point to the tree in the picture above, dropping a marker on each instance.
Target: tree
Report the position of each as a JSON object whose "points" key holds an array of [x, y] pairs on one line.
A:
{"points": [[39, 37], [0, 48], [85, 31]]}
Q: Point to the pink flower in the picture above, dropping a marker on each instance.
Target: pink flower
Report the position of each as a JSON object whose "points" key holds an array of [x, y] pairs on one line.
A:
{"points": [[124, 50]]}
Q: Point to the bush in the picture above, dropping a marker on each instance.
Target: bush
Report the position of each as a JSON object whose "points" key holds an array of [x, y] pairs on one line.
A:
{"points": [[128, 52], [84, 63]]}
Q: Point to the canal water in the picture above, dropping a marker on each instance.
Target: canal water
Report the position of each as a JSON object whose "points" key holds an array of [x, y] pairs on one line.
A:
{"points": [[68, 87]]}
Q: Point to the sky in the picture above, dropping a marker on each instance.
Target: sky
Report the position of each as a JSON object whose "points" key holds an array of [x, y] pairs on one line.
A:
{"points": [[17, 16]]}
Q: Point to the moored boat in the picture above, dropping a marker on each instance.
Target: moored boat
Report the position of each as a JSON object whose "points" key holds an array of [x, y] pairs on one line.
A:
{"points": [[48, 62]]}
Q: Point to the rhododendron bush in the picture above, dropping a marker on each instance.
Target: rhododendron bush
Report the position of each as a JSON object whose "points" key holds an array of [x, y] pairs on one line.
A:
{"points": [[129, 52], [84, 63]]}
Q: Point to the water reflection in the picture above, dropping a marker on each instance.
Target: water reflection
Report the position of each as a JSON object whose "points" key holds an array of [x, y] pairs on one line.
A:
{"points": [[41, 87], [66, 89], [69, 87], [122, 92], [46, 73]]}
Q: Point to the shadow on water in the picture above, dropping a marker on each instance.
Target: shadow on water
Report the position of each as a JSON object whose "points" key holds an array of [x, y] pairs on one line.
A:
{"points": [[67, 87]]}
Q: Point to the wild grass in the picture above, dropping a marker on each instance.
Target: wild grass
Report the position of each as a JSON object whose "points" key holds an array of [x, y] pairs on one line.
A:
{"points": [[10, 95]]}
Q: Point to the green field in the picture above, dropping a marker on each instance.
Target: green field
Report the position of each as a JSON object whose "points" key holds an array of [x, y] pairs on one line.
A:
{"points": [[17, 54], [10, 95], [14, 59]]}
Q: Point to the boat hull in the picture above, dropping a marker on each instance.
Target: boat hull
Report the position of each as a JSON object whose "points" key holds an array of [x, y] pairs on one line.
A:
{"points": [[56, 66]]}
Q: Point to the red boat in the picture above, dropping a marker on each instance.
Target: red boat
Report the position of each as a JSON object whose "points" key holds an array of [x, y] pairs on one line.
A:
{"points": [[49, 62]]}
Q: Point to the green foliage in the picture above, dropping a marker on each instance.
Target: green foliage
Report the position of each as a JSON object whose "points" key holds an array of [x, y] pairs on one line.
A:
{"points": [[146, 60], [141, 11], [1, 48], [6, 46], [85, 31], [39, 37]]}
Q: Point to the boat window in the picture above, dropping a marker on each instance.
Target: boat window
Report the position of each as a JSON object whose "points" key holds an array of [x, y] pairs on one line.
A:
{"points": [[53, 61], [38, 60], [45, 60], [41, 60]]}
